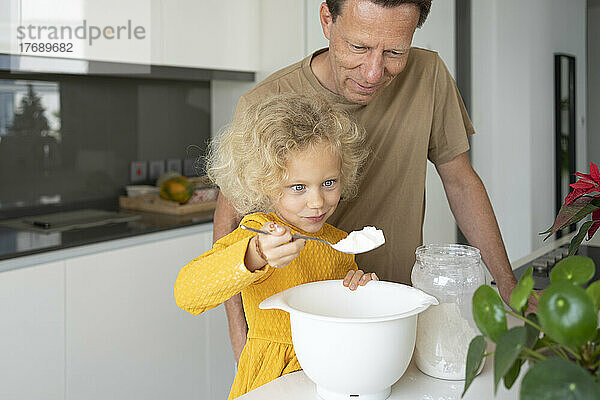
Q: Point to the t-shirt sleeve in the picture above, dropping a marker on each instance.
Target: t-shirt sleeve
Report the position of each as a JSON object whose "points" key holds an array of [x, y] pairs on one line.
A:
{"points": [[451, 124], [218, 274], [256, 95], [241, 108]]}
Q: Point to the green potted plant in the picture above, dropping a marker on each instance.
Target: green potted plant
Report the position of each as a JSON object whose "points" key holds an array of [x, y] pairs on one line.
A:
{"points": [[561, 342]]}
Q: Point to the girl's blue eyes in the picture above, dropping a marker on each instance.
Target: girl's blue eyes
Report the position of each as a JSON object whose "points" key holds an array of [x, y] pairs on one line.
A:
{"points": [[300, 187]]}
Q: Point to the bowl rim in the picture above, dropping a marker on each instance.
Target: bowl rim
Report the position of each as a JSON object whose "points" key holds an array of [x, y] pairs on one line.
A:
{"points": [[383, 318]]}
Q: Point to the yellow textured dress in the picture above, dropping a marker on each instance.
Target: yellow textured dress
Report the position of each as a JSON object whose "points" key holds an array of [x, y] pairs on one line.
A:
{"points": [[220, 273]]}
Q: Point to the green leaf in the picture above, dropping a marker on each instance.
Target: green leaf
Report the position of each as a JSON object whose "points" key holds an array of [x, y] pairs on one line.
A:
{"points": [[474, 358], [521, 292], [558, 379], [488, 312], [533, 334], [577, 270], [513, 373], [594, 292], [574, 212], [508, 348], [577, 239], [567, 314]]}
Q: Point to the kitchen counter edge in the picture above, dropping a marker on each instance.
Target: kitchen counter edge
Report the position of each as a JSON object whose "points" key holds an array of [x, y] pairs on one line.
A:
{"points": [[113, 244]]}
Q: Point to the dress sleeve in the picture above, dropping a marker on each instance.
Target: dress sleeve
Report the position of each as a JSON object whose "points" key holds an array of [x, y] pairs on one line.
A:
{"points": [[218, 274], [451, 124]]}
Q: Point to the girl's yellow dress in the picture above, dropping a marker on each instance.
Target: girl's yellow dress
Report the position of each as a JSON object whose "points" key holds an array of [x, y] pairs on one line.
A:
{"points": [[220, 273]]}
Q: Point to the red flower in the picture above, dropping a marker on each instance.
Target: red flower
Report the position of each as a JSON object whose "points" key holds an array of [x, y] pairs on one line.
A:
{"points": [[586, 184], [581, 202], [595, 225]]}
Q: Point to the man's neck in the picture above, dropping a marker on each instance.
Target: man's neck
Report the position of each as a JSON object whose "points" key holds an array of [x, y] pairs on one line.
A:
{"points": [[321, 67]]}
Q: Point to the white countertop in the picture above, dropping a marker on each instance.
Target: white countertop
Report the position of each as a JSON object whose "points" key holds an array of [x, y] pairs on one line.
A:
{"points": [[551, 245], [413, 385]]}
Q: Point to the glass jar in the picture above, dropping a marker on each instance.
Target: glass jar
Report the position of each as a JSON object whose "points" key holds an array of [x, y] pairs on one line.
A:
{"points": [[451, 273]]}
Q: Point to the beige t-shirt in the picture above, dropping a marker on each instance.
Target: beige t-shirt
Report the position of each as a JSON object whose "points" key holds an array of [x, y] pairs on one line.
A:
{"points": [[418, 116]]}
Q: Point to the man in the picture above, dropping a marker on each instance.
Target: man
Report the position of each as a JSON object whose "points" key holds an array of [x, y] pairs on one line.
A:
{"points": [[412, 111]]}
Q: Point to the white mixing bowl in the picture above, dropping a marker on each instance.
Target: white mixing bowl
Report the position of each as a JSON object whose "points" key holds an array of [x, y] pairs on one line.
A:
{"points": [[352, 344]]}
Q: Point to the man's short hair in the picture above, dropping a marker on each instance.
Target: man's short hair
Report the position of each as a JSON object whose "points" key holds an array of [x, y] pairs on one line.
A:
{"points": [[335, 7]]}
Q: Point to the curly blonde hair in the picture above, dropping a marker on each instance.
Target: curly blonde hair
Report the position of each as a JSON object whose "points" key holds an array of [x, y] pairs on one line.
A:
{"points": [[248, 160]]}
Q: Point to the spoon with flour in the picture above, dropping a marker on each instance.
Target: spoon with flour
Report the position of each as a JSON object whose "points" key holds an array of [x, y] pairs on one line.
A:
{"points": [[367, 239]]}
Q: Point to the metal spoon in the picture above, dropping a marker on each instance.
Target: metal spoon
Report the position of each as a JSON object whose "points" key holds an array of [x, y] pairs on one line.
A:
{"points": [[295, 236]]}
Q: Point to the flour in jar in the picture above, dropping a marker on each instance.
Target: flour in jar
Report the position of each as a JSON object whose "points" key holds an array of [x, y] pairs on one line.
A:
{"points": [[367, 239], [443, 337]]}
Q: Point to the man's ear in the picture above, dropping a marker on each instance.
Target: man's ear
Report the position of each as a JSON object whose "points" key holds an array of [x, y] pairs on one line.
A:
{"points": [[326, 20]]}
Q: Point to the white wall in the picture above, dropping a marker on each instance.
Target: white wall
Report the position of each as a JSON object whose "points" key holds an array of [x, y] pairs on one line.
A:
{"points": [[513, 108], [314, 38], [593, 53], [438, 34]]}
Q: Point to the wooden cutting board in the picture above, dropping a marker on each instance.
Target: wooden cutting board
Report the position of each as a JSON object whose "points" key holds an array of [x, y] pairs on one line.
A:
{"points": [[154, 203]]}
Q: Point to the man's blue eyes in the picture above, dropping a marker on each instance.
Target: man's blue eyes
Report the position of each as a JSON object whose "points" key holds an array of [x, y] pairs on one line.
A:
{"points": [[298, 188], [391, 52]]}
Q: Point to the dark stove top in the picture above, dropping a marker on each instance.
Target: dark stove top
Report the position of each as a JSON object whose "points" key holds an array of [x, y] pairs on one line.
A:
{"points": [[544, 264]]}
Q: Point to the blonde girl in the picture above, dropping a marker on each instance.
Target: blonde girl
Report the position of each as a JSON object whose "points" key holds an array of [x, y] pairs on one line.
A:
{"points": [[286, 163]]}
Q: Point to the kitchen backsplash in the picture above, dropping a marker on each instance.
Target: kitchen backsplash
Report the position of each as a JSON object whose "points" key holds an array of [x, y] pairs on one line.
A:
{"points": [[67, 140]]}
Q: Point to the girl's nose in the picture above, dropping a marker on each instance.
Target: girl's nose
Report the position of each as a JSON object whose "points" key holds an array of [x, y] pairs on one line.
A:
{"points": [[315, 200]]}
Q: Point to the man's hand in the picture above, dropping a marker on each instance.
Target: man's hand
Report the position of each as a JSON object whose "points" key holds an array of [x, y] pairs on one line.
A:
{"points": [[506, 289], [236, 320], [533, 302], [225, 220]]}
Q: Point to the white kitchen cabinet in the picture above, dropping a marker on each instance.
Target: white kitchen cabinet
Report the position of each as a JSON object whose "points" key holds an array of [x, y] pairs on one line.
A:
{"points": [[110, 30], [32, 335], [281, 42], [8, 15], [218, 34], [127, 339], [282, 35], [244, 35], [214, 34]]}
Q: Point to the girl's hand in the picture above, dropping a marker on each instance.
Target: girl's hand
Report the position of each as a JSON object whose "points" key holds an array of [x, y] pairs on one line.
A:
{"points": [[358, 277], [277, 249]]}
